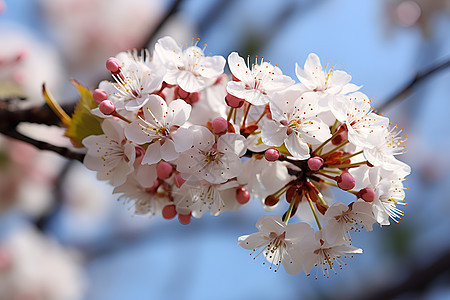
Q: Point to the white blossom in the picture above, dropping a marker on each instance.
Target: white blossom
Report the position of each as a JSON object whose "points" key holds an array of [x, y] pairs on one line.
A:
{"points": [[110, 154], [345, 218], [314, 78], [316, 250], [140, 76], [364, 126], [295, 123], [257, 82], [189, 68], [215, 162], [279, 242], [201, 196], [160, 127]]}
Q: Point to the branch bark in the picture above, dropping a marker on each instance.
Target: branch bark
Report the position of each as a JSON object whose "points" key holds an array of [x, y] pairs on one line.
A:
{"points": [[10, 118], [172, 11], [402, 93]]}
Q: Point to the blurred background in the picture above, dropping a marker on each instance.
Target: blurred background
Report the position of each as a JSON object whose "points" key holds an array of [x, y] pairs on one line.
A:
{"points": [[64, 236]]}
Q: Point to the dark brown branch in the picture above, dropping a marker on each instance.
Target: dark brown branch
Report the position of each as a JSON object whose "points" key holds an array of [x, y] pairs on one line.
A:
{"points": [[65, 152], [10, 118], [173, 10], [406, 90]]}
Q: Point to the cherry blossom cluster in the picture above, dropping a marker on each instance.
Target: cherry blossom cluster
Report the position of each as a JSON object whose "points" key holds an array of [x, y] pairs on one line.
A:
{"points": [[181, 138]]}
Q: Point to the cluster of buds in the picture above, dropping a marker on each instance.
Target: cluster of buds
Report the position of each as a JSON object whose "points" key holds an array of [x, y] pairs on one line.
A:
{"points": [[180, 139]]}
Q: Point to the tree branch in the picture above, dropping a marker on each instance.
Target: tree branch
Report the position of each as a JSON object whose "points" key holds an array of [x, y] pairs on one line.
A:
{"points": [[10, 118], [173, 10], [65, 152], [406, 90]]}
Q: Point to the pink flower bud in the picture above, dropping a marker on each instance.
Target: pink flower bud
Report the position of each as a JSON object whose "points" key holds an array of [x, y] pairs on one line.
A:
{"points": [[99, 95], [179, 180], [315, 163], [181, 93], [242, 195], [233, 101], [219, 126], [342, 136], [164, 170], [367, 194], [107, 107], [169, 212], [346, 181], [272, 154], [193, 98], [184, 219], [113, 65], [271, 200]]}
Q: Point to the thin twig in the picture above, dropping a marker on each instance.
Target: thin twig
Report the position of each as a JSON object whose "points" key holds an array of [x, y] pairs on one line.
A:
{"points": [[173, 10], [406, 90]]}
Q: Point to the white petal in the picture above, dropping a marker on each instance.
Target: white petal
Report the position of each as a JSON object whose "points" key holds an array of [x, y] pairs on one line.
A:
{"points": [[238, 66], [297, 147], [135, 133], [178, 112], [212, 67], [136, 103], [168, 152], [253, 96], [182, 138], [278, 83], [168, 50], [271, 224], [152, 154], [146, 175], [190, 82], [252, 241], [232, 142], [155, 110], [273, 134], [203, 138]]}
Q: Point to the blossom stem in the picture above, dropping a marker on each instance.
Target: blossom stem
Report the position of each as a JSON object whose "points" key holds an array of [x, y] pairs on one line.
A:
{"points": [[318, 149], [350, 165], [289, 212], [247, 109], [318, 193], [278, 193], [351, 155], [230, 113], [334, 127], [260, 117], [326, 175], [335, 148], [313, 210], [325, 181], [330, 171], [115, 114]]}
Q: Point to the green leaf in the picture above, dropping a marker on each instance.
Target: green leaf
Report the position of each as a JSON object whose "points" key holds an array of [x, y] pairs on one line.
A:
{"points": [[83, 123]]}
